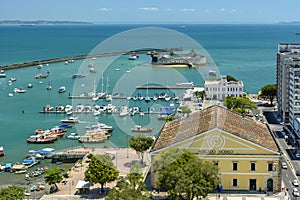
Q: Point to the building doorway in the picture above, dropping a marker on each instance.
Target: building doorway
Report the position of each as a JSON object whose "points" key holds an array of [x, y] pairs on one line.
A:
{"points": [[270, 185], [252, 184]]}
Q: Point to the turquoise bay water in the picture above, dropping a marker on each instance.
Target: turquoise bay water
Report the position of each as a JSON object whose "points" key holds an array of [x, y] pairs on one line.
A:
{"points": [[248, 52]]}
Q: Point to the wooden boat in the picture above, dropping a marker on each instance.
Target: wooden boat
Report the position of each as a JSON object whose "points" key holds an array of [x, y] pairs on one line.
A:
{"points": [[138, 128], [19, 168], [39, 76], [41, 139], [94, 136], [1, 151]]}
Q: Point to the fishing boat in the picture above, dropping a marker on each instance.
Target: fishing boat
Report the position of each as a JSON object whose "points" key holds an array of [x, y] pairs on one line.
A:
{"points": [[19, 168], [70, 120], [94, 136], [39, 76], [40, 66], [62, 89], [1, 151], [73, 136], [139, 128], [42, 139]]}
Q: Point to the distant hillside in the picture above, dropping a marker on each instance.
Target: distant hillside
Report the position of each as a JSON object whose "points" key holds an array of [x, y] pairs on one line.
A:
{"points": [[37, 22], [294, 22]]}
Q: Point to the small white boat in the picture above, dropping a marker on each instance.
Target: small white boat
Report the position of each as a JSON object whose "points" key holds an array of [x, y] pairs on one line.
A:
{"points": [[94, 58], [10, 94], [40, 66], [128, 70], [49, 87], [62, 89], [167, 98], [124, 111], [154, 98], [92, 70], [212, 72], [2, 74], [133, 57], [19, 90], [30, 85], [70, 120], [9, 82], [117, 69], [73, 136]]}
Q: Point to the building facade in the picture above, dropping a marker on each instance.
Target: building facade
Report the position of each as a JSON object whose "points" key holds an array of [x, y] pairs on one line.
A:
{"points": [[244, 150], [288, 82], [219, 89]]}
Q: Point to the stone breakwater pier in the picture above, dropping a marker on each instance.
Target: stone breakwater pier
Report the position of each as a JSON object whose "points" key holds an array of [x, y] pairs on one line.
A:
{"points": [[64, 59]]}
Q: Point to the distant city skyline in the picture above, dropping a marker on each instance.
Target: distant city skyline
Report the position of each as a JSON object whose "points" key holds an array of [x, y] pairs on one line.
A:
{"points": [[153, 11]]}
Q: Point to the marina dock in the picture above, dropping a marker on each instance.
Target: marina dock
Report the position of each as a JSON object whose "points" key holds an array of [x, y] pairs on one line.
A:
{"points": [[164, 87], [70, 156], [64, 59]]}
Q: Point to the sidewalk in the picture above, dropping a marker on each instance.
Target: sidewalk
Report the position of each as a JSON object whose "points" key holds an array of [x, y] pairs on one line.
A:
{"points": [[123, 159]]}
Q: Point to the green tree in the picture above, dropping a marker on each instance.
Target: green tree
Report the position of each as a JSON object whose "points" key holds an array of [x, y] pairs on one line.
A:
{"points": [[53, 176], [269, 91], [101, 170], [170, 118], [186, 176], [231, 78], [239, 104], [185, 109], [200, 94], [131, 187], [12, 193], [141, 143]]}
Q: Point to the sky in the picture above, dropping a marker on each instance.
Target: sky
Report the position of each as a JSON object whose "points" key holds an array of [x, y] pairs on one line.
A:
{"points": [[153, 11]]}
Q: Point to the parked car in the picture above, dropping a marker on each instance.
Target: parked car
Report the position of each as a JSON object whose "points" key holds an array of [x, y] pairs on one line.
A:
{"points": [[295, 183], [298, 172], [295, 192], [284, 165]]}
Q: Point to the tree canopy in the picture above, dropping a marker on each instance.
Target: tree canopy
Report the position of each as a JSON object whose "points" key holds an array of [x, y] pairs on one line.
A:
{"points": [[12, 193], [53, 176], [269, 91], [231, 78], [239, 104], [101, 170], [184, 175], [141, 143], [130, 188], [199, 94]]}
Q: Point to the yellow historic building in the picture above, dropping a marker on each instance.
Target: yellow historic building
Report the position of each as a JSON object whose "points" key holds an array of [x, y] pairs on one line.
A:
{"points": [[245, 151]]}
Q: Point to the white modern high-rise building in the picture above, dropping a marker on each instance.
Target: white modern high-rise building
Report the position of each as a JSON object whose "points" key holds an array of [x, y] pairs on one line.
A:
{"points": [[288, 83], [219, 89]]}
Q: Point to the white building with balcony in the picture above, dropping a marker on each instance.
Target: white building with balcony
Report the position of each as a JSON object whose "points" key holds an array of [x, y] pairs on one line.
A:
{"points": [[219, 89]]}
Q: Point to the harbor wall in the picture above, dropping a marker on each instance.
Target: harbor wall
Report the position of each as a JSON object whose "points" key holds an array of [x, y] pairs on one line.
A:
{"points": [[63, 59]]}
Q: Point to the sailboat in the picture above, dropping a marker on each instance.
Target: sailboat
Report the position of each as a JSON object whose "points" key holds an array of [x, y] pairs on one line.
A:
{"points": [[95, 96], [102, 93], [147, 98], [108, 97]]}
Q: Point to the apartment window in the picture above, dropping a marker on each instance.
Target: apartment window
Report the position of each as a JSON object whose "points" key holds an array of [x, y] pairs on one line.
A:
{"points": [[270, 167], [252, 166], [234, 182], [235, 166]]}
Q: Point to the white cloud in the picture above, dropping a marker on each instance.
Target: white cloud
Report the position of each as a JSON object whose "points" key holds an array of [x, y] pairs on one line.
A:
{"points": [[188, 10], [104, 9], [222, 9], [233, 10], [149, 9]]}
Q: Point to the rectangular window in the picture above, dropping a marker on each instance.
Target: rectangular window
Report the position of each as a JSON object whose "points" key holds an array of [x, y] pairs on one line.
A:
{"points": [[234, 182], [252, 166], [234, 166], [270, 167]]}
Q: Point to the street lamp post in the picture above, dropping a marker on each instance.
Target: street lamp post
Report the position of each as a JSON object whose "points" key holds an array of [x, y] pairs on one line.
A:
{"points": [[127, 146]]}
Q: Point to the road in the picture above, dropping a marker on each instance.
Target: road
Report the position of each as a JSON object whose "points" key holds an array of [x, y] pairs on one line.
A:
{"points": [[288, 175]]}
